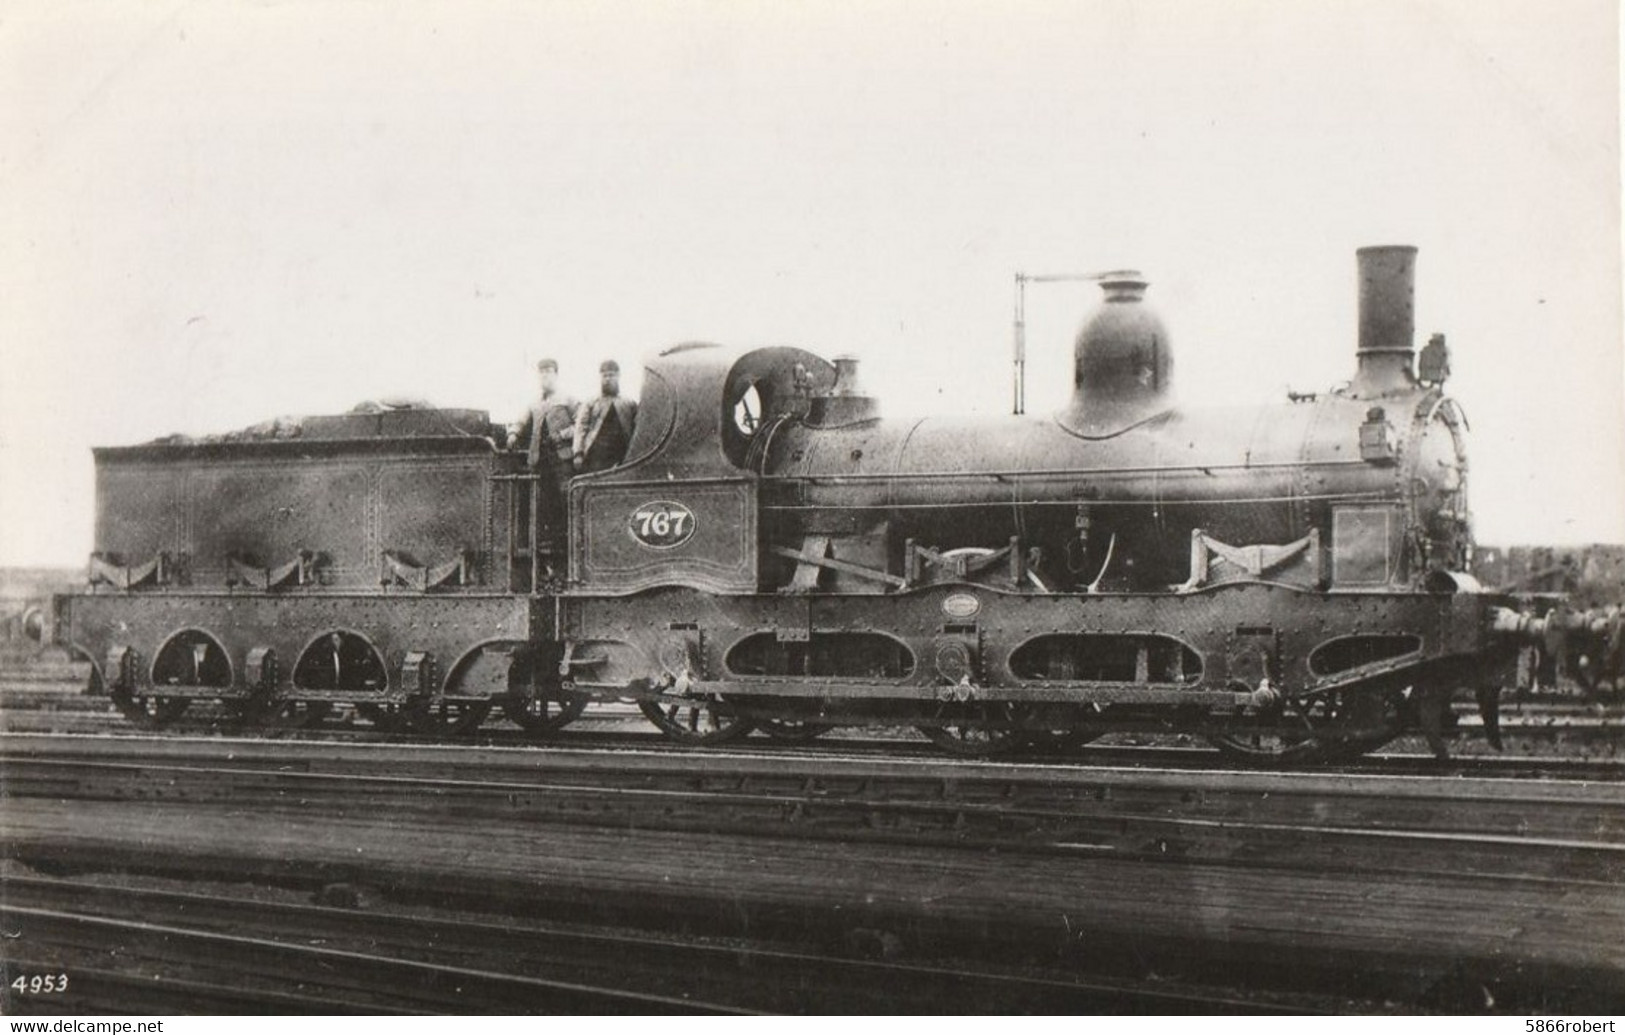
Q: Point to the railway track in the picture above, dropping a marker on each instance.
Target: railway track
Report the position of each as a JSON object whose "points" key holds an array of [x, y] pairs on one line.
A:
{"points": [[1297, 819], [395, 961], [1433, 940], [339, 978], [1402, 760], [1280, 869], [98, 990]]}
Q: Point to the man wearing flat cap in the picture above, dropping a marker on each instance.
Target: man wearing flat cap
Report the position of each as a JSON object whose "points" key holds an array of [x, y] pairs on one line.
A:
{"points": [[603, 428], [547, 433], [547, 436]]}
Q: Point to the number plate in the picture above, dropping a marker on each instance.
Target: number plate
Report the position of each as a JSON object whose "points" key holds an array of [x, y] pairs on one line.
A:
{"points": [[662, 524]]}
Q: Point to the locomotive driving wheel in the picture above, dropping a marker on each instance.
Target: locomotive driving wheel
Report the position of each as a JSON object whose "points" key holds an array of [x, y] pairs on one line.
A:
{"points": [[537, 700], [793, 722], [697, 721], [149, 711], [1059, 741], [543, 712], [1271, 747], [793, 731], [1345, 727], [972, 734], [1274, 748], [1047, 730]]}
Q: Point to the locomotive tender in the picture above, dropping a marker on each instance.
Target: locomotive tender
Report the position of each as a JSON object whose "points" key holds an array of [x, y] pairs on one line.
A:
{"points": [[1290, 581]]}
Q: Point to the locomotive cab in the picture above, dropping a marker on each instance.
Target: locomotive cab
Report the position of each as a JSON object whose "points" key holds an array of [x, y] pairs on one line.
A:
{"points": [[684, 508]]}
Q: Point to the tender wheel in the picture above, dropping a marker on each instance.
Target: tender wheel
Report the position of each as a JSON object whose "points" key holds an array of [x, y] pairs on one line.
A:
{"points": [[696, 722], [542, 713], [287, 715], [448, 718], [150, 711], [386, 718]]}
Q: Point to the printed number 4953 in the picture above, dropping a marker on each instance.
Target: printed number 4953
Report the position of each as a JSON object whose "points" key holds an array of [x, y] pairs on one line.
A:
{"points": [[40, 984]]}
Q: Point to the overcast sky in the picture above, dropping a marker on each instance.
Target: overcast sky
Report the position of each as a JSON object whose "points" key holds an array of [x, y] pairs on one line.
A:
{"points": [[216, 213]]}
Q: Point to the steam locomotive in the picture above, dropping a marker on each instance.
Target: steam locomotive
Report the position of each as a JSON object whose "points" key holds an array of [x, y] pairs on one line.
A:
{"points": [[1291, 582]]}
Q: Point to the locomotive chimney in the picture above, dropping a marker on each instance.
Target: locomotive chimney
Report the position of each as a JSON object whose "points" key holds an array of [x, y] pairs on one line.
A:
{"points": [[1122, 362], [1387, 320]]}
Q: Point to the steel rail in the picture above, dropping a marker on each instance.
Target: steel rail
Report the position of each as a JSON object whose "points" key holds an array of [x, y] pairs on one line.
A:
{"points": [[405, 980], [959, 823], [1607, 733], [1307, 825], [1030, 938], [762, 976], [649, 755], [110, 991]]}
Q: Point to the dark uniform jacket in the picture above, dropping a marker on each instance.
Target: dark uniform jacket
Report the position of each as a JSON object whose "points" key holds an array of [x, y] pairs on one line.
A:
{"points": [[603, 430]]}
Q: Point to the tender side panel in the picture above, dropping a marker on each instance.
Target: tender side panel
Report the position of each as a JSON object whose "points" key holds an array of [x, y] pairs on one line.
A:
{"points": [[223, 514], [141, 510], [435, 509], [268, 512]]}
